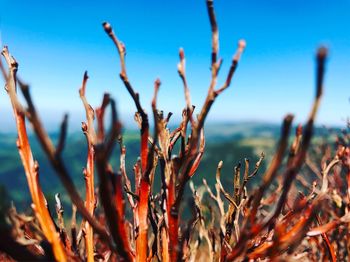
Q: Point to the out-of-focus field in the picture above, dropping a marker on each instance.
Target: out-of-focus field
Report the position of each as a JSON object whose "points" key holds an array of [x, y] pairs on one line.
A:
{"points": [[229, 142]]}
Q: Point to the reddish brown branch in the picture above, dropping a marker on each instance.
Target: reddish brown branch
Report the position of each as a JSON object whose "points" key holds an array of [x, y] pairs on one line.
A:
{"points": [[119, 200], [56, 160], [267, 179], [327, 242], [135, 96], [90, 113], [90, 194], [141, 241], [89, 132], [31, 167], [100, 112], [291, 171], [275, 164], [191, 152], [299, 160], [115, 223], [214, 31], [181, 68], [115, 130], [199, 156], [63, 135], [232, 70]]}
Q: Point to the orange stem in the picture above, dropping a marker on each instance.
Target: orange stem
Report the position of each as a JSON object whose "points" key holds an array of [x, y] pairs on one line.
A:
{"points": [[142, 239]]}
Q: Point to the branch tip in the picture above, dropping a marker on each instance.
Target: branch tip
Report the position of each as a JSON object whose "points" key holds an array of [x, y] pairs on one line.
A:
{"points": [[107, 27], [322, 52], [86, 76], [220, 164], [181, 53], [242, 44], [240, 49]]}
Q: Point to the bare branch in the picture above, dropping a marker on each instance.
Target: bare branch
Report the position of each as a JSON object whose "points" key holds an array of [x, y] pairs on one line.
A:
{"points": [[100, 112], [63, 135], [31, 167], [181, 68], [55, 160], [90, 114], [222, 190], [235, 60], [214, 31]]}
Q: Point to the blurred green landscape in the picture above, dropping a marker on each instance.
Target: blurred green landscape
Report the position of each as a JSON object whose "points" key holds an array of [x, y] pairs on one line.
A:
{"points": [[229, 142]]}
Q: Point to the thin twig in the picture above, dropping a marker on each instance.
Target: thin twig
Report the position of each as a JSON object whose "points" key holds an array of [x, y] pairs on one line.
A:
{"points": [[63, 135]]}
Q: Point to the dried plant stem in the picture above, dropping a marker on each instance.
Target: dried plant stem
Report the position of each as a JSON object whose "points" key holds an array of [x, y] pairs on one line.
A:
{"points": [[173, 221], [222, 190], [329, 246], [100, 117], [114, 220], [274, 222], [165, 245], [299, 160], [63, 134], [181, 68], [89, 132], [192, 151], [127, 182], [275, 164], [31, 167], [290, 172], [90, 113], [54, 156], [141, 240], [135, 96]]}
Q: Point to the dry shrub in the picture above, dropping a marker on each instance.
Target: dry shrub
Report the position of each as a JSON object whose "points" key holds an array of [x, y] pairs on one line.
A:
{"points": [[299, 210]]}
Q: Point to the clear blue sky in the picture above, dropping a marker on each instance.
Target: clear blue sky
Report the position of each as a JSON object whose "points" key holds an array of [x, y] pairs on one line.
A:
{"points": [[55, 41]]}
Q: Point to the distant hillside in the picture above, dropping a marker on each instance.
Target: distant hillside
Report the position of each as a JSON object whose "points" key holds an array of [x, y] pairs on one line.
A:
{"points": [[228, 142]]}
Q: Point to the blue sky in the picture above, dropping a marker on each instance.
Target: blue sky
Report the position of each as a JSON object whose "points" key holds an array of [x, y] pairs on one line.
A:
{"points": [[55, 41]]}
